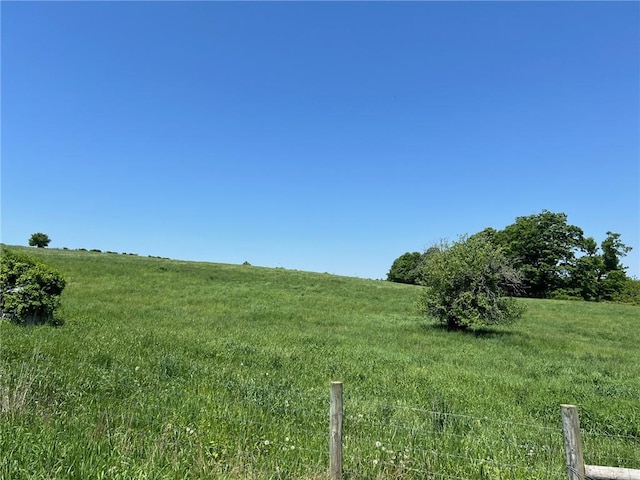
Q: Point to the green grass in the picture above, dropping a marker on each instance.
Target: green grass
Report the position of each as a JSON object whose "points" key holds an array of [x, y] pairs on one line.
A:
{"points": [[169, 369]]}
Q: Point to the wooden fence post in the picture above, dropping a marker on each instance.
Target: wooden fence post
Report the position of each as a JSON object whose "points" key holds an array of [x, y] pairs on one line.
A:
{"points": [[572, 442], [335, 432]]}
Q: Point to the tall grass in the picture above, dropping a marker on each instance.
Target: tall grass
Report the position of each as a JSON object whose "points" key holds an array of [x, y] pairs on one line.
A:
{"points": [[169, 369]]}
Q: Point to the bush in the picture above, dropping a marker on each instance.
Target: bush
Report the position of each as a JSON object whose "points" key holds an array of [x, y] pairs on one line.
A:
{"points": [[467, 285], [631, 292], [564, 294], [30, 290]]}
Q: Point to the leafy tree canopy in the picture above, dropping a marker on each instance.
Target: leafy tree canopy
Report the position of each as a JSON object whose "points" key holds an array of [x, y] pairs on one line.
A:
{"points": [[405, 268], [543, 247], [612, 251], [39, 240]]}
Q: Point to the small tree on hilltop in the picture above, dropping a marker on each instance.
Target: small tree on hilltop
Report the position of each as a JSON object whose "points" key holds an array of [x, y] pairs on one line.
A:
{"points": [[39, 240], [467, 284]]}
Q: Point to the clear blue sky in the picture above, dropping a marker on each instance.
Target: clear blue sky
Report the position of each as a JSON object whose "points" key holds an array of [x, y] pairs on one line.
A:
{"points": [[326, 136]]}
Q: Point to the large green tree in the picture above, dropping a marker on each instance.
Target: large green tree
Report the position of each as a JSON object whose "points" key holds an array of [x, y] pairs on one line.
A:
{"points": [[555, 257], [543, 247], [407, 267], [586, 274], [613, 278], [612, 251]]}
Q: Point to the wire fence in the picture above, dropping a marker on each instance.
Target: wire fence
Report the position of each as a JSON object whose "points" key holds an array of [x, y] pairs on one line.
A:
{"points": [[407, 442]]}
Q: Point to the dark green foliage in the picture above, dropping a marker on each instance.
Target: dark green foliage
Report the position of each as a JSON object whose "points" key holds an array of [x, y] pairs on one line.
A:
{"points": [[585, 279], [612, 285], [39, 240], [612, 251], [543, 247], [557, 260], [405, 268], [599, 276], [30, 290], [554, 258], [631, 292], [467, 285]]}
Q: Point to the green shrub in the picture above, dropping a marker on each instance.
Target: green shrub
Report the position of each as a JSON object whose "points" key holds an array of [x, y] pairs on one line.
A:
{"points": [[564, 294], [631, 292], [467, 285], [30, 291]]}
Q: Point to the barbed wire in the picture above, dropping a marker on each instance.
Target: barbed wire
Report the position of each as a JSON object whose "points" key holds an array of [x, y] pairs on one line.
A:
{"points": [[306, 430], [447, 429], [589, 433], [471, 417]]}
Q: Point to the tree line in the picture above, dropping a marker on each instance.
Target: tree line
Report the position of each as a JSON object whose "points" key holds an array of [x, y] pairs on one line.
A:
{"points": [[551, 258]]}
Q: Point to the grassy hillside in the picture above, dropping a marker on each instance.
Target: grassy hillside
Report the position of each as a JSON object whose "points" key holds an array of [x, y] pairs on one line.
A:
{"points": [[169, 369]]}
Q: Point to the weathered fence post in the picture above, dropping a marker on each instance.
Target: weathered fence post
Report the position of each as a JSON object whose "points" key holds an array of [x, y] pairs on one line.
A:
{"points": [[572, 442], [576, 468], [335, 432]]}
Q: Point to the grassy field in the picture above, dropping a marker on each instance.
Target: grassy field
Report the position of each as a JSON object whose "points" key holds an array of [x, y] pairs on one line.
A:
{"points": [[169, 369]]}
